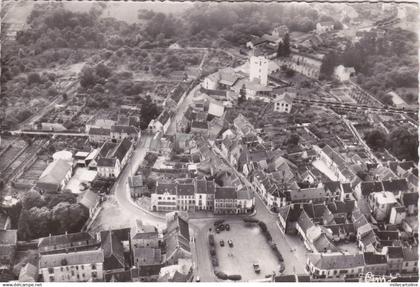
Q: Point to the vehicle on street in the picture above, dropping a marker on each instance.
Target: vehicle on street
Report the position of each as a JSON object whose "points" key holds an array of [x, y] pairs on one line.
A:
{"points": [[222, 243], [217, 230], [227, 227], [256, 268], [230, 242], [282, 267], [221, 227]]}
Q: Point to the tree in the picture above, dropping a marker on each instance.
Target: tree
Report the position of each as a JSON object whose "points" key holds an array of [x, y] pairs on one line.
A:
{"points": [[34, 78], [87, 77], [102, 70], [242, 94], [376, 139], [286, 45], [328, 65], [403, 144]]}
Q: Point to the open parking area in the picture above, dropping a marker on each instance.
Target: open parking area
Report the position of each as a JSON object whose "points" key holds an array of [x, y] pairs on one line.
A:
{"points": [[249, 246]]}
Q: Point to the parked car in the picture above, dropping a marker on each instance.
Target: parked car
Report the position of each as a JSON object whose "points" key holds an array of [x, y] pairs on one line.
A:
{"points": [[217, 230], [230, 242], [282, 267], [221, 227], [222, 243], [227, 227], [256, 268]]}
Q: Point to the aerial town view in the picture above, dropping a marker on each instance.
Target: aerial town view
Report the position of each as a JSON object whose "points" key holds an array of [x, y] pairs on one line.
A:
{"points": [[208, 142]]}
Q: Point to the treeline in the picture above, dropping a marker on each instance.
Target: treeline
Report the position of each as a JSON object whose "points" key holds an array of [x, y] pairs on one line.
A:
{"points": [[382, 63], [399, 142]]}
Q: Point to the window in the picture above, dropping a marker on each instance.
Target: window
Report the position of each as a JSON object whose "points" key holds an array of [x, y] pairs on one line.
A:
{"points": [[83, 267], [51, 270], [93, 267], [406, 264], [94, 274], [72, 273]]}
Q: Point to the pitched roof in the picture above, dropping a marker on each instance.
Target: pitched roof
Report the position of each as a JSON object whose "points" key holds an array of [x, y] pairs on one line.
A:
{"points": [[395, 185], [99, 132], [368, 187], [225, 193], [410, 253], [113, 251], [285, 97], [64, 239], [305, 222], [327, 261], [107, 162], [147, 256], [410, 198], [8, 237], [135, 181], [185, 189], [124, 130], [122, 149], [55, 172], [89, 199], [71, 258], [346, 188], [373, 258], [162, 188], [199, 125], [395, 252]]}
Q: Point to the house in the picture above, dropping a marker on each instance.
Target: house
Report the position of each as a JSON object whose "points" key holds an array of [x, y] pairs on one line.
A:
{"points": [[148, 262], [255, 42], [395, 258], [181, 272], [8, 242], [186, 197], [204, 194], [55, 177], [113, 248], [143, 235], [67, 242], [288, 217], [410, 201], [381, 203], [28, 273], [211, 82], [81, 266], [410, 260], [112, 158], [342, 73], [375, 263], [225, 200], [304, 63], [335, 265], [365, 188], [121, 132], [165, 197], [398, 214], [245, 200], [243, 126], [91, 201], [396, 186], [216, 109], [283, 103], [199, 127], [99, 135], [162, 123], [99, 123], [227, 78], [177, 239], [273, 194], [136, 186], [325, 26]]}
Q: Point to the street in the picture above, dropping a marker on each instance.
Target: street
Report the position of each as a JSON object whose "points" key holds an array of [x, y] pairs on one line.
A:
{"points": [[120, 188]]}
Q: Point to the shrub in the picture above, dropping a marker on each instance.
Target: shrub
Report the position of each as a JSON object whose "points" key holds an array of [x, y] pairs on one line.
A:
{"points": [[211, 239], [214, 262], [212, 251], [250, 220], [220, 275], [234, 277], [262, 226]]}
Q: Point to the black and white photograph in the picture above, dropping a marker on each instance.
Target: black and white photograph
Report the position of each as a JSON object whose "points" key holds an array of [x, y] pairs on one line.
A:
{"points": [[164, 141]]}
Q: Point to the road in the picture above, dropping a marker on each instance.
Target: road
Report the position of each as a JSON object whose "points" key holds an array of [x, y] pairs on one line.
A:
{"points": [[121, 191], [67, 134]]}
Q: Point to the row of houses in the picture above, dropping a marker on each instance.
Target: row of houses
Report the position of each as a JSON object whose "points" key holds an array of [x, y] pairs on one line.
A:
{"points": [[201, 195], [140, 254], [102, 130], [394, 260]]}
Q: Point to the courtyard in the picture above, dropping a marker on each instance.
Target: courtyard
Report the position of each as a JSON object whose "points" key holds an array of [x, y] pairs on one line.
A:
{"points": [[249, 246]]}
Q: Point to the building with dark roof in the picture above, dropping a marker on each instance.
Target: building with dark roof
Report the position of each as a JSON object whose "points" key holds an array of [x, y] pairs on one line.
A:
{"points": [[225, 200], [99, 135], [113, 157], [80, 266], [335, 265], [67, 242], [55, 176], [375, 263], [177, 239], [114, 259], [410, 201], [8, 242]]}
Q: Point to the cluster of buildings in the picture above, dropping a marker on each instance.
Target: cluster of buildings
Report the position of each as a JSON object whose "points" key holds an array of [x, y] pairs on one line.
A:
{"points": [[102, 130], [201, 195], [140, 254]]}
